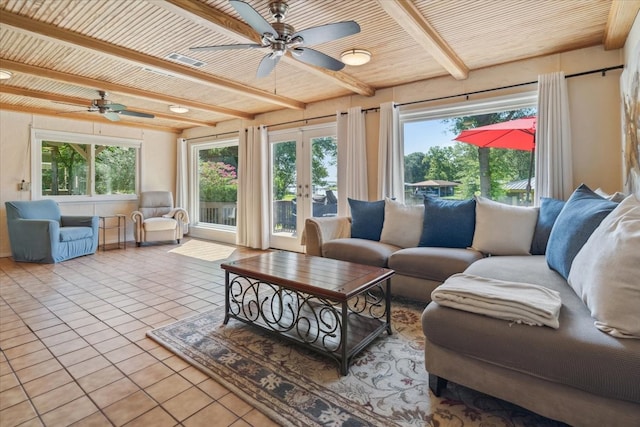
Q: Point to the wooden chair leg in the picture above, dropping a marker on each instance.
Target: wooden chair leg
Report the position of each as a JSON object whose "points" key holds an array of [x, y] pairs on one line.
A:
{"points": [[437, 384]]}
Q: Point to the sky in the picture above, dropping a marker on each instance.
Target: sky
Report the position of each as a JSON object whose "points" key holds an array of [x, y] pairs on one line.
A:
{"points": [[420, 136]]}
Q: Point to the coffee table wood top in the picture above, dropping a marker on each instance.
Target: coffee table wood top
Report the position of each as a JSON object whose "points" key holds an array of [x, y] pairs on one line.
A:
{"points": [[324, 277]]}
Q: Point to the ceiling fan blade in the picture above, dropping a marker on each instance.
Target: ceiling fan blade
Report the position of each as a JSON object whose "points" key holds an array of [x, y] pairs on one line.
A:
{"points": [[110, 115], [319, 59], [228, 46], [116, 107], [327, 33], [253, 18], [268, 63], [136, 114]]}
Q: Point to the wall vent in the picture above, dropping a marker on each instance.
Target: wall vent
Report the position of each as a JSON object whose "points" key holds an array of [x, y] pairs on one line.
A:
{"points": [[185, 60]]}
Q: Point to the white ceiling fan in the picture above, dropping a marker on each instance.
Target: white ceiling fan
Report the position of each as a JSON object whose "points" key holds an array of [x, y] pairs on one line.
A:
{"points": [[281, 38]]}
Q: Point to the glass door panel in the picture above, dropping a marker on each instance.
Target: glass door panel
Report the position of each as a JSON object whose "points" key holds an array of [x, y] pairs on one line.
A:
{"points": [[303, 165], [284, 189]]}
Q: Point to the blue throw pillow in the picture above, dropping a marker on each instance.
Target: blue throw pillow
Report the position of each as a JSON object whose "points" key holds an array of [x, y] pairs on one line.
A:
{"points": [[367, 219], [549, 211], [448, 223], [582, 214]]}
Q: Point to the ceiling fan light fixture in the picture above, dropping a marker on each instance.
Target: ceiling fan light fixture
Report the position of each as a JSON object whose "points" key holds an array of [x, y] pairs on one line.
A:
{"points": [[355, 57], [5, 75], [179, 109]]}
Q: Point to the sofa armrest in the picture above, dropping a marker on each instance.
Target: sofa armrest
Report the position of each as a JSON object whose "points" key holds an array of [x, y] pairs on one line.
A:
{"points": [[178, 214], [320, 230], [79, 221], [34, 239]]}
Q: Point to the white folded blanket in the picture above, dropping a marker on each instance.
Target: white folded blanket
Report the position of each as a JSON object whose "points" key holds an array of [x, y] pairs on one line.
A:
{"points": [[514, 301]]}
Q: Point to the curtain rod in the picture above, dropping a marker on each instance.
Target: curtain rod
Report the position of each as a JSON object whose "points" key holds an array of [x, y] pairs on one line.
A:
{"points": [[216, 135], [366, 110], [467, 94]]}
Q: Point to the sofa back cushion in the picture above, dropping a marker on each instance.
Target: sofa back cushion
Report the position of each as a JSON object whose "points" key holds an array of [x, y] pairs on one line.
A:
{"points": [[549, 211], [367, 219], [402, 224], [606, 271], [503, 229], [582, 213], [33, 209], [448, 223]]}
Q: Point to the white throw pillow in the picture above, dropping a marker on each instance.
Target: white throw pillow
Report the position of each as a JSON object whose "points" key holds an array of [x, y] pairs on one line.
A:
{"points": [[606, 271], [402, 224], [503, 229]]}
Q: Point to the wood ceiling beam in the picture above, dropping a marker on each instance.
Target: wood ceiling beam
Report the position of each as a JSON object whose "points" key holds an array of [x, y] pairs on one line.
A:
{"points": [[12, 90], [407, 15], [209, 17], [117, 88], [87, 118], [121, 53], [621, 16]]}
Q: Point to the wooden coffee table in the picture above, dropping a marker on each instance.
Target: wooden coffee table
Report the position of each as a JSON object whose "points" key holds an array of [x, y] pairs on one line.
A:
{"points": [[334, 307]]}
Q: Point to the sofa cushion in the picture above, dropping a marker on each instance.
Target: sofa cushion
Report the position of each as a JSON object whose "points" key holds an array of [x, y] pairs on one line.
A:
{"points": [[448, 223], [582, 213], [432, 263], [503, 229], [402, 224], [549, 211], [160, 224], [367, 219], [606, 271], [68, 234], [561, 355], [361, 251]]}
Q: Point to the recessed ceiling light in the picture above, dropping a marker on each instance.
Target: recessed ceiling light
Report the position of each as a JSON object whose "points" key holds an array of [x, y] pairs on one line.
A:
{"points": [[355, 56], [4, 75], [178, 109]]}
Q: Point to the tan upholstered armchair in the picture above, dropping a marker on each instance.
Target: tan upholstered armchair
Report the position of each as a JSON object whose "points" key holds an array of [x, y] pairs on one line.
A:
{"points": [[156, 219]]}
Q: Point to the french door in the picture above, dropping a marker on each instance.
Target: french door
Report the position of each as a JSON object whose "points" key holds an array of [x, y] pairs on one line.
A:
{"points": [[304, 181]]}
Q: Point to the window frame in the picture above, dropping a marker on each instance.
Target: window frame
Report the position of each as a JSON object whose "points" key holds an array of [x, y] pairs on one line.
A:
{"points": [[418, 112], [38, 136], [194, 182]]}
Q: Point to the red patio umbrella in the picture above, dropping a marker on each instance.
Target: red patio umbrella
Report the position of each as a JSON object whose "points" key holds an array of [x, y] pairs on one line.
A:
{"points": [[518, 134]]}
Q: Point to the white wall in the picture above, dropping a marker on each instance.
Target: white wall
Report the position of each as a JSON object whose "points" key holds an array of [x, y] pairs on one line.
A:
{"points": [[158, 165], [631, 48]]}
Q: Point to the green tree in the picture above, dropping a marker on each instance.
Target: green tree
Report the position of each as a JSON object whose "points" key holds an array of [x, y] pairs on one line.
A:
{"points": [[414, 168], [115, 170], [324, 152], [218, 174], [441, 163], [495, 166]]}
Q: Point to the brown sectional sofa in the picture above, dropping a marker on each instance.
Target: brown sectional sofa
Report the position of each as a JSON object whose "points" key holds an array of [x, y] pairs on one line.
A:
{"points": [[576, 374]]}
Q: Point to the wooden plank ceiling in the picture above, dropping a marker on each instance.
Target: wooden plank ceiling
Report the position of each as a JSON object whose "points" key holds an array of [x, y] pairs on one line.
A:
{"points": [[62, 52]]}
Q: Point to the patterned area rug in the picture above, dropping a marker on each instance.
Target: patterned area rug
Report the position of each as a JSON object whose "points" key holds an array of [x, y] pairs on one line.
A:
{"points": [[386, 385]]}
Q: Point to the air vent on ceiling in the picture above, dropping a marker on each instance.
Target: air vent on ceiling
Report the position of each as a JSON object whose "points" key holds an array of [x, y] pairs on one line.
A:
{"points": [[185, 60]]}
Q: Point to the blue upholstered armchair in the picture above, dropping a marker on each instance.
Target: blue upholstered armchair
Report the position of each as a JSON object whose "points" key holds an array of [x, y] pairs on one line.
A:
{"points": [[39, 233]]}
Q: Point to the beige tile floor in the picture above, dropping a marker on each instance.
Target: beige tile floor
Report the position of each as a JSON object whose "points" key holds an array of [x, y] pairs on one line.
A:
{"points": [[73, 344]]}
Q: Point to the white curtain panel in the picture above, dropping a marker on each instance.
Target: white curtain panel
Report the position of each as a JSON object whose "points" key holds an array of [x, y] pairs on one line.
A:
{"points": [[352, 158], [554, 174], [182, 178], [253, 189], [390, 154]]}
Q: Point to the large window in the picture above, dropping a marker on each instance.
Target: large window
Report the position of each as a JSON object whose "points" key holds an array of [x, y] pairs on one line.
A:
{"points": [[438, 165], [217, 183], [76, 166]]}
